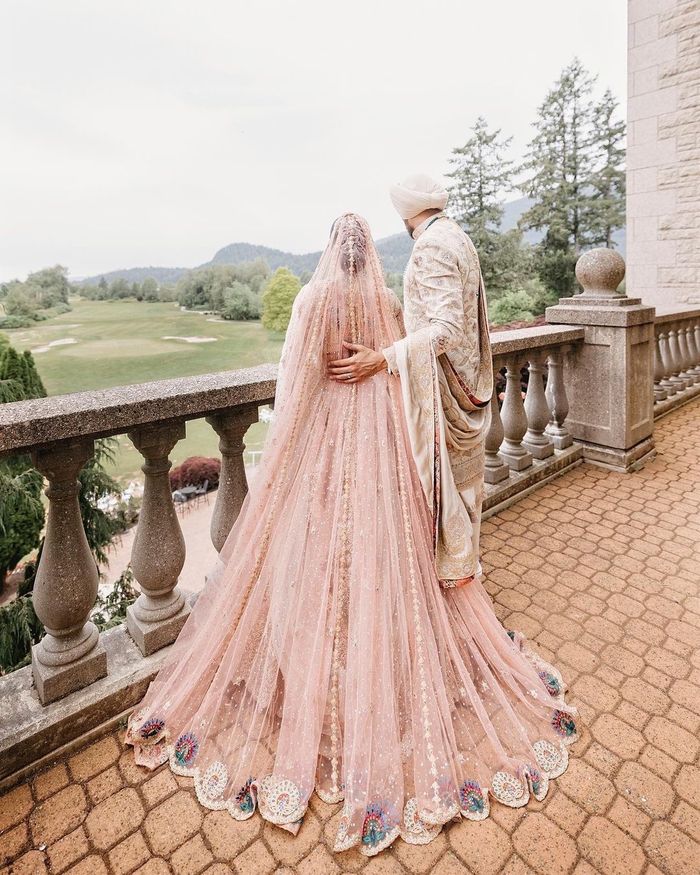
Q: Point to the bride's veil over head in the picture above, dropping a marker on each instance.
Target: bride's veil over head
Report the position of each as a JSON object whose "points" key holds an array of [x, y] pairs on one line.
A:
{"points": [[346, 299]]}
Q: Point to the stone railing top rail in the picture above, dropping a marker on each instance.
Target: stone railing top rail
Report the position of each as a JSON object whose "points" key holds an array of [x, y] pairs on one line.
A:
{"points": [[676, 314], [102, 412], [28, 424], [537, 337]]}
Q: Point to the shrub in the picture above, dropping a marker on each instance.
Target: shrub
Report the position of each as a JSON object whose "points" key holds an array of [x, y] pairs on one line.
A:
{"points": [[194, 471]]}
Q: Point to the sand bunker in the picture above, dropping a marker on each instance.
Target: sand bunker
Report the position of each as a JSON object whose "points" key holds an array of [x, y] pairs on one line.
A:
{"points": [[190, 339], [62, 342]]}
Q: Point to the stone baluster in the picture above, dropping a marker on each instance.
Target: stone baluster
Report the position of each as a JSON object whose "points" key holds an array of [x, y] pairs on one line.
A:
{"points": [[677, 359], [694, 348], [659, 390], [537, 409], [686, 364], [688, 345], [70, 656], [667, 383], [514, 419], [496, 469], [158, 553], [231, 426], [557, 402]]}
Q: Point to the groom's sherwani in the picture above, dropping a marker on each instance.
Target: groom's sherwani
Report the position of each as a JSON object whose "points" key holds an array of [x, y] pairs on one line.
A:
{"points": [[444, 364]]}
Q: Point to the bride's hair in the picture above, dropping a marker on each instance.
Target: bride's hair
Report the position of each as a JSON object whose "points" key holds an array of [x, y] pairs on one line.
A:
{"points": [[348, 232]]}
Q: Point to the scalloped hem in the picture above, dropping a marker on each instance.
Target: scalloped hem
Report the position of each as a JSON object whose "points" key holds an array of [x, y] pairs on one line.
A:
{"points": [[281, 802]]}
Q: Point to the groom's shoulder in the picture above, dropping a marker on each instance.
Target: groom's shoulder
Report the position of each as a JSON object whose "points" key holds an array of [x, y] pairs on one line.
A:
{"points": [[444, 234]]}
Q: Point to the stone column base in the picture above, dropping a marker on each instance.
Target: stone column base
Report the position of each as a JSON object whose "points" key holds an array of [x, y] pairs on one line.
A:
{"points": [[56, 681], [616, 459], [150, 637], [496, 474]]}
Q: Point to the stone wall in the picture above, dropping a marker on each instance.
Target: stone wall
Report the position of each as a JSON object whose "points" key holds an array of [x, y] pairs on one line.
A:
{"points": [[663, 198]]}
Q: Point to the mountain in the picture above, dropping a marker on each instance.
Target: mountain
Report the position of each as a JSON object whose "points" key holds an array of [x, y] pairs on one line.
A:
{"points": [[394, 252]]}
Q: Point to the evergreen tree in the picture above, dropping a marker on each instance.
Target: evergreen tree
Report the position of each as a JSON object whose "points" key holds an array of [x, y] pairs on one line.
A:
{"points": [[277, 299], [560, 163], [481, 177], [608, 179], [21, 510]]}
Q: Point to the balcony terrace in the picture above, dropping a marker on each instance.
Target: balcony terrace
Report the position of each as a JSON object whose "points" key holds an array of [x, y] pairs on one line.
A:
{"points": [[591, 546]]}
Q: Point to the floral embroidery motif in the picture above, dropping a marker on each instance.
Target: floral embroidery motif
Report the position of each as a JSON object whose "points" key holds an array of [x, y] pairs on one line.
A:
{"points": [[378, 823], [471, 798], [152, 729], [550, 681], [186, 748], [509, 789], [548, 756], [244, 798], [563, 724], [214, 780], [280, 799], [538, 782]]}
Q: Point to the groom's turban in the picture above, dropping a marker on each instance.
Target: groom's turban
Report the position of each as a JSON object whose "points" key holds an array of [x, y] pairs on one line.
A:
{"points": [[417, 193]]}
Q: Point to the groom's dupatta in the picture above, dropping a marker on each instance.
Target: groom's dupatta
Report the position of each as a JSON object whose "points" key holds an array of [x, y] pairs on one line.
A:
{"points": [[447, 422]]}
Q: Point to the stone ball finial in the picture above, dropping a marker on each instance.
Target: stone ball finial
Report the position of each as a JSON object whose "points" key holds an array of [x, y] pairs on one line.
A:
{"points": [[600, 272]]}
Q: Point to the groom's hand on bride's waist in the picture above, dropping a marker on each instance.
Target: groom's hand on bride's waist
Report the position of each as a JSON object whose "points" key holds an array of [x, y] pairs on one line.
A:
{"points": [[364, 362]]}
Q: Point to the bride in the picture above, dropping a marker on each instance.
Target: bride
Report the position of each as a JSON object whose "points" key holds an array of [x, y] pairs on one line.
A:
{"points": [[322, 654]]}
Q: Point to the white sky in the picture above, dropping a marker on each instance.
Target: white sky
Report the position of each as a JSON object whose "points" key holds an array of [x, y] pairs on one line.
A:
{"points": [[153, 133]]}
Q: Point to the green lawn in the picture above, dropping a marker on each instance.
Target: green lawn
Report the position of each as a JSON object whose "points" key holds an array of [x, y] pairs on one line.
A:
{"points": [[119, 342]]}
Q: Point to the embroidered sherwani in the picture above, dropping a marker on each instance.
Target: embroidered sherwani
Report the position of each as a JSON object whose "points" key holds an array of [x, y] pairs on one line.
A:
{"points": [[444, 364]]}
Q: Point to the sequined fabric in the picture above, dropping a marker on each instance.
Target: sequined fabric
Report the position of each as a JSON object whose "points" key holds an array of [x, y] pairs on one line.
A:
{"points": [[322, 655]]}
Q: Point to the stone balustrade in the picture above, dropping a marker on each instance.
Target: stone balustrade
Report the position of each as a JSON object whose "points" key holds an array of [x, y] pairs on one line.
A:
{"points": [[676, 357], [527, 442]]}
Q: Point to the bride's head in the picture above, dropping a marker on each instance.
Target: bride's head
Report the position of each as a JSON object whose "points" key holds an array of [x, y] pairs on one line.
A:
{"points": [[350, 234]]}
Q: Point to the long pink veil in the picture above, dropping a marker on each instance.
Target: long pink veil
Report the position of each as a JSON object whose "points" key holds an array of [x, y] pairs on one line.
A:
{"points": [[322, 653]]}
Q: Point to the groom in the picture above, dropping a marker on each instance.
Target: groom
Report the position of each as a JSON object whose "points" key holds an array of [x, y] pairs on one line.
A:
{"points": [[445, 371]]}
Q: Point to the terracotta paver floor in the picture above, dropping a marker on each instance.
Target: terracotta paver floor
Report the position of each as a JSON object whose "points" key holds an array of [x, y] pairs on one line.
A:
{"points": [[602, 571]]}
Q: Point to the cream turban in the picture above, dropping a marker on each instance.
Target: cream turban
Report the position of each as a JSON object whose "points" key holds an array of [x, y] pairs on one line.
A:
{"points": [[417, 193]]}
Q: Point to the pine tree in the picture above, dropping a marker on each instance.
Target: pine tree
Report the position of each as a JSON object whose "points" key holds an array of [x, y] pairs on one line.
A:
{"points": [[481, 177], [481, 174], [608, 179], [560, 163], [277, 299]]}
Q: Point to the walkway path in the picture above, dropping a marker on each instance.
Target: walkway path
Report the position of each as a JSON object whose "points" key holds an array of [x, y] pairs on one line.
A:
{"points": [[602, 570]]}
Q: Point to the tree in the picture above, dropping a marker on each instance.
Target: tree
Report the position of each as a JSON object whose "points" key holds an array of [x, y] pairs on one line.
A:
{"points": [[513, 306], [21, 510], [575, 176], [277, 299], [240, 302], [482, 175], [608, 179], [149, 289]]}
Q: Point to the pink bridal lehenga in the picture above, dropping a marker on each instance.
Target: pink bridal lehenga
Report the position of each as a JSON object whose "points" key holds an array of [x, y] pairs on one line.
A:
{"points": [[322, 653]]}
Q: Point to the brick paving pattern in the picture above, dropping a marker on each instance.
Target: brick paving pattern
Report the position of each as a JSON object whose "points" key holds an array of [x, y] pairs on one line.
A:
{"points": [[601, 571]]}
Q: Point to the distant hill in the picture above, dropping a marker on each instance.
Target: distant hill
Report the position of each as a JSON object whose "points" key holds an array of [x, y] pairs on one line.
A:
{"points": [[394, 251]]}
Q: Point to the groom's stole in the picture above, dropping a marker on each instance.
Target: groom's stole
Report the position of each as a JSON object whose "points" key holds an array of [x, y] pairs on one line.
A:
{"points": [[447, 423]]}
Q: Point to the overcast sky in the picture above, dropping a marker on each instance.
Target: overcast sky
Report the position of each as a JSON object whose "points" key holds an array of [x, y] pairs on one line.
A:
{"points": [[153, 132]]}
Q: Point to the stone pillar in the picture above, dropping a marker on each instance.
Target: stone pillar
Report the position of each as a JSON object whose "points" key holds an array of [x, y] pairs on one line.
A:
{"points": [[610, 377], [231, 426], [158, 553], [70, 656]]}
